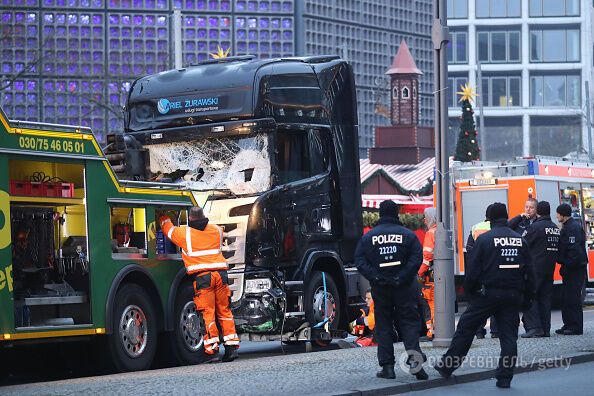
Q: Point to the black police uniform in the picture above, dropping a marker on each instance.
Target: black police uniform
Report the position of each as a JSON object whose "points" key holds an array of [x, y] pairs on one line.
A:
{"points": [[543, 240], [389, 256], [482, 331], [520, 224], [573, 259], [497, 276]]}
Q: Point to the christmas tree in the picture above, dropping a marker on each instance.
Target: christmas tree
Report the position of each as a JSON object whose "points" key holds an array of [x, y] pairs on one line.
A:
{"points": [[467, 148]]}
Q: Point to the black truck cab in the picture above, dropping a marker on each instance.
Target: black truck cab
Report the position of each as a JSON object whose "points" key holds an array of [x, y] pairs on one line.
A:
{"points": [[270, 149]]}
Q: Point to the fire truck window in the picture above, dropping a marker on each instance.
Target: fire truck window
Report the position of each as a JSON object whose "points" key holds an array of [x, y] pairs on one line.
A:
{"points": [[570, 195], [588, 194], [318, 152], [128, 232], [292, 156]]}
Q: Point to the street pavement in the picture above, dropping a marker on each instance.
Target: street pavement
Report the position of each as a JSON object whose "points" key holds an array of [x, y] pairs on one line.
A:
{"points": [[338, 371], [576, 379]]}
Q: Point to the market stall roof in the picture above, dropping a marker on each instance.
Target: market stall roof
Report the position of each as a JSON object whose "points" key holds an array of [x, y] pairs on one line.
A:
{"points": [[410, 177]]}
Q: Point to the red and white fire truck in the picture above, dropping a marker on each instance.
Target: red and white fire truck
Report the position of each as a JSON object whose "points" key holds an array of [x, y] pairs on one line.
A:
{"points": [[478, 184]]}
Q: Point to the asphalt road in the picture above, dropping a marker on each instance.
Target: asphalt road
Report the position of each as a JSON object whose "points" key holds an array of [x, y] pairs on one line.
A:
{"points": [[41, 363], [576, 379]]}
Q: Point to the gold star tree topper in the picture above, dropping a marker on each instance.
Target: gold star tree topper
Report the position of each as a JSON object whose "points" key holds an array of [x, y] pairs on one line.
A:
{"points": [[467, 93], [220, 53]]}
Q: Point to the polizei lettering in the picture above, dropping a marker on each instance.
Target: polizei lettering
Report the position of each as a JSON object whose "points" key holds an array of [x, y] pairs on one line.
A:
{"points": [[507, 241], [387, 238], [552, 231]]}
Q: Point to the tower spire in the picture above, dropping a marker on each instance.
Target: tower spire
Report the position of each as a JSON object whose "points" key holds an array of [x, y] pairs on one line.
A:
{"points": [[403, 62]]}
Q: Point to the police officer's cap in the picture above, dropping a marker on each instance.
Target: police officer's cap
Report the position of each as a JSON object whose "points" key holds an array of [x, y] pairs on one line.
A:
{"points": [[543, 208], [564, 210], [388, 208], [497, 211]]}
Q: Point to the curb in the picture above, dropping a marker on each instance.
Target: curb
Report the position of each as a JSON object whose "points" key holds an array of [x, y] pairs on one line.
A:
{"points": [[585, 357]]}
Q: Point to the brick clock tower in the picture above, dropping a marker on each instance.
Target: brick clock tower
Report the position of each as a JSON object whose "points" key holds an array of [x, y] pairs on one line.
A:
{"points": [[404, 142]]}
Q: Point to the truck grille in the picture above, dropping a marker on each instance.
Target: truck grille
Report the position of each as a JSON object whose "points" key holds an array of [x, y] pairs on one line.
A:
{"points": [[232, 215], [234, 252]]}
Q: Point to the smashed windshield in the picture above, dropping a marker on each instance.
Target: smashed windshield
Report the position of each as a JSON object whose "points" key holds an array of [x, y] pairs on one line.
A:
{"points": [[238, 164]]}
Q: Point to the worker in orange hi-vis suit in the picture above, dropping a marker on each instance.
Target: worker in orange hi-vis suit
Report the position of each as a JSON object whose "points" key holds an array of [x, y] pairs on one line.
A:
{"points": [[426, 270], [363, 326], [201, 252]]}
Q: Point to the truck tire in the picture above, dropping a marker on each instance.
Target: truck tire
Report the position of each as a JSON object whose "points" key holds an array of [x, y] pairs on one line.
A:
{"points": [[133, 342], [186, 342], [314, 302]]}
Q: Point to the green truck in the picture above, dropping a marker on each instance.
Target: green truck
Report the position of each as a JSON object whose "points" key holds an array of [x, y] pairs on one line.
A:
{"points": [[60, 207]]}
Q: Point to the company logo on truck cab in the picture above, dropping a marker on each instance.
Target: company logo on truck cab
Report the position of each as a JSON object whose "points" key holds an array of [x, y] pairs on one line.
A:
{"points": [[188, 105], [163, 105]]}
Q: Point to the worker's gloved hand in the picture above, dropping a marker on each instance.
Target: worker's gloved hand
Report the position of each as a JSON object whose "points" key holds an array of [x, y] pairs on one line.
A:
{"points": [[421, 279]]}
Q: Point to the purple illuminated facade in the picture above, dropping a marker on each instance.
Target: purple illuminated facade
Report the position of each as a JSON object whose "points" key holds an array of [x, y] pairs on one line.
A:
{"points": [[75, 59], [72, 61]]}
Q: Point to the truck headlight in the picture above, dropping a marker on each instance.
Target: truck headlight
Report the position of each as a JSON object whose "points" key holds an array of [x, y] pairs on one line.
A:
{"points": [[259, 285]]}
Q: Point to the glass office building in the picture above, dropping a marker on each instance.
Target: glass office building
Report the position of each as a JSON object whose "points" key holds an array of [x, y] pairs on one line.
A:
{"points": [[72, 61], [535, 57]]}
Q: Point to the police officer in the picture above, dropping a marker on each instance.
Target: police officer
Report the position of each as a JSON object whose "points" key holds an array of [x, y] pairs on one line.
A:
{"points": [[573, 259], [477, 230], [521, 222], [543, 239], [498, 274], [389, 256]]}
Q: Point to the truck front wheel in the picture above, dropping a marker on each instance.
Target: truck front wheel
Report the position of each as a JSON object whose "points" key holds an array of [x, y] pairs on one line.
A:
{"points": [[133, 342], [186, 341], [319, 307]]}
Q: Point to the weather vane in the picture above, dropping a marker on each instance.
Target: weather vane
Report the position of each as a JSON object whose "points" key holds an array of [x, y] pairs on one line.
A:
{"points": [[467, 93]]}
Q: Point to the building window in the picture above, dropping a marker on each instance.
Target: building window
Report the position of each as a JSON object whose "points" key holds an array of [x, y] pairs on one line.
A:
{"points": [[395, 93], [414, 92], [405, 93], [555, 136], [498, 8], [503, 138], [457, 9], [499, 46], [548, 8], [455, 83], [501, 91], [453, 133], [458, 47], [555, 45], [555, 91]]}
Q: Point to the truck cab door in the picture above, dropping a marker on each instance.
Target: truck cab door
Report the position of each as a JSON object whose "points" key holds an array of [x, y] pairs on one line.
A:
{"points": [[305, 203], [311, 197]]}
